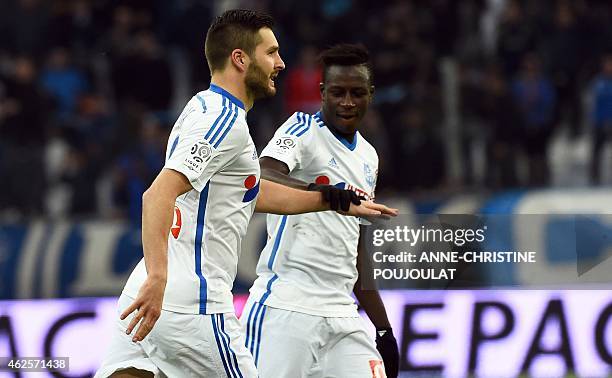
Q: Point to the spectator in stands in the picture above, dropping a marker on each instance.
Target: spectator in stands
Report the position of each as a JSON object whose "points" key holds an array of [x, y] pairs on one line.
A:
{"points": [[138, 166], [418, 153], [76, 26], [515, 37], [602, 115], [23, 130], [500, 120], [25, 27], [565, 59], [64, 82], [535, 99], [302, 83], [143, 75]]}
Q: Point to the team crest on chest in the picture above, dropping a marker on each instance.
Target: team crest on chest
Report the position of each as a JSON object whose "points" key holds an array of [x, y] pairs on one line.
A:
{"points": [[369, 175]]}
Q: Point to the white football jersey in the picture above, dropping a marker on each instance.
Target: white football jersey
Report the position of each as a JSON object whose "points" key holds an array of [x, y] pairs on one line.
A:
{"points": [[308, 263], [210, 144]]}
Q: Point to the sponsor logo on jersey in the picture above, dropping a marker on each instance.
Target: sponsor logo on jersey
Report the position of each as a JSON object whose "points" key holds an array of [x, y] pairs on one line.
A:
{"points": [[177, 222], [333, 163], [252, 186], [322, 180], [378, 369], [358, 191]]}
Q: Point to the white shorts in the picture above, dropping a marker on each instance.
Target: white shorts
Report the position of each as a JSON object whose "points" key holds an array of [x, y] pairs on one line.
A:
{"points": [[292, 344], [181, 345]]}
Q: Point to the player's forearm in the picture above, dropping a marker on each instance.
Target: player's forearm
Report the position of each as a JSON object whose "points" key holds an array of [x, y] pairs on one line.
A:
{"points": [[373, 305], [280, 199], [157, 213], [283, 179]]}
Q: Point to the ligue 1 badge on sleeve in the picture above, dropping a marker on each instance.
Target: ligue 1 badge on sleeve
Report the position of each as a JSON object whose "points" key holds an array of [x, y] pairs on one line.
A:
{"points": [[201, 152], [285, 142]]}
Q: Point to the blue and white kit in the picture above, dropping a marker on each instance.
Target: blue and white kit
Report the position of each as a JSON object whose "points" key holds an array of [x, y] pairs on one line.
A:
{"points": [[301, 301], [198, 333]]}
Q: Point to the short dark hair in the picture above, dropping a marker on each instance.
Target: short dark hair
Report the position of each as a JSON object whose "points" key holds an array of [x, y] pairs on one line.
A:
{"points": [[346, 54], [234, 29]]}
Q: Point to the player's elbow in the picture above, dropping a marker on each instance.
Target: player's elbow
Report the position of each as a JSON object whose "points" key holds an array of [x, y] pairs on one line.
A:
{"points": [[147, 197]]}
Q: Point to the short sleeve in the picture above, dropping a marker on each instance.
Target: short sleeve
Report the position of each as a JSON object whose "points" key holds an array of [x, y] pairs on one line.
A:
{"points": [[290, 141], [206, 143]]}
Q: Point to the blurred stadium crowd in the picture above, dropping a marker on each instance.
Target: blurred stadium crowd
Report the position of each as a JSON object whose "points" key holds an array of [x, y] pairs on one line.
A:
{"points": [[469, 94]]}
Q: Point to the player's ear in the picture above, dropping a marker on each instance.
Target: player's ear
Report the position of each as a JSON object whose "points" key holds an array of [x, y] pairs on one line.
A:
{"points": [[239, 60], [321, 87]]}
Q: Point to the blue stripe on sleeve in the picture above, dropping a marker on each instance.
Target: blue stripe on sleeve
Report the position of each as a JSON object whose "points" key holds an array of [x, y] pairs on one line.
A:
{"points": [[300, 120], [176, 140], [227, 129], [199, 97], [303, 126], [220, 128], [217, 120], [307, 127]]}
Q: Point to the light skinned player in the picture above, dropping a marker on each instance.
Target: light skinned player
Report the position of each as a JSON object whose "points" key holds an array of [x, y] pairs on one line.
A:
{"points": [[176, 312]]}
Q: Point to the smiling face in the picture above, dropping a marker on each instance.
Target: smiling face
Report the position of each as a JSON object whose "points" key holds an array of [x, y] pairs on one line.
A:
{"points": [[265, 65], [346, 95]]}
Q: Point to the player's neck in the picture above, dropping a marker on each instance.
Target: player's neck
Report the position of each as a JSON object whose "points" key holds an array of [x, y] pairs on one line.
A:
{"points": [[233, 85], [350, 137]]}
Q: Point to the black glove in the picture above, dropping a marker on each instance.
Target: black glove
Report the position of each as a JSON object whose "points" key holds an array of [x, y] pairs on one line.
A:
{"points": [[338, 199], [387, 347]]}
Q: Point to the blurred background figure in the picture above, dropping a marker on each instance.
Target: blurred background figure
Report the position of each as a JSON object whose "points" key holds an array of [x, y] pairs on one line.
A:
{"points": [[602, 115], [63, 82], [535, 100], [302, 83], [23, 128]]}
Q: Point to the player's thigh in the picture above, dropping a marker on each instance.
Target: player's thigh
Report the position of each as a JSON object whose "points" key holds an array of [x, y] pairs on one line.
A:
{"points": [[283, 343], [123, 354], [353, 353], [201, 345]]}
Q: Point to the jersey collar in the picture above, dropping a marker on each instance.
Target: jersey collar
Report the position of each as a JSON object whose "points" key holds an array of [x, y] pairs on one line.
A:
{"points": [[350, 145], [224, 93]]}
